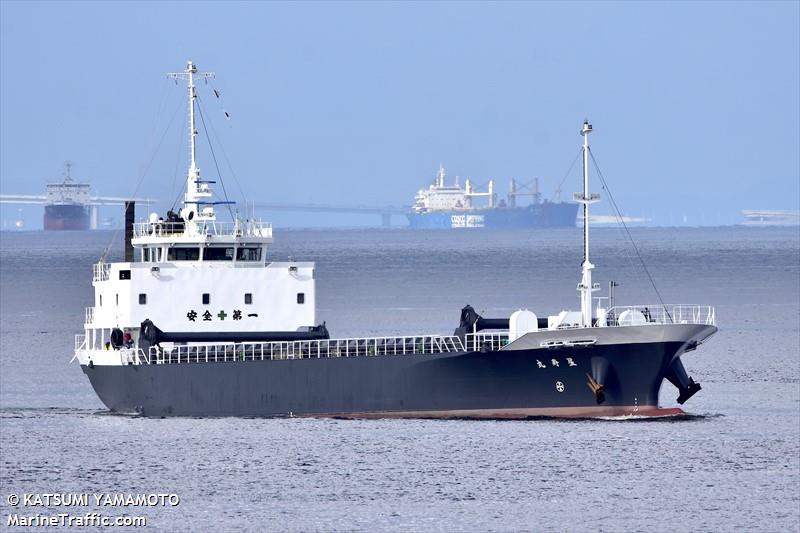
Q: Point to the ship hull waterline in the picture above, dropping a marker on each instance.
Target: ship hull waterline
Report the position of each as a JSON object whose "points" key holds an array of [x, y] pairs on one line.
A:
{"points": [[545, 215], [66, 217], [514, 384]]}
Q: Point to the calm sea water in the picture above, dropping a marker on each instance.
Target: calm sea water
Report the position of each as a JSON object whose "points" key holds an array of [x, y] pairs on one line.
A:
{"points": [[734, 464]]}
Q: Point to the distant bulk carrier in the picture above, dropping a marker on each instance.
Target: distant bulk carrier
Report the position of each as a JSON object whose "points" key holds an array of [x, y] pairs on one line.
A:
{"points": [[67, 204], [450, 206]]}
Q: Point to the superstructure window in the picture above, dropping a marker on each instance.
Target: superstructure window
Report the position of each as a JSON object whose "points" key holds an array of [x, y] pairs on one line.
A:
{"points": [[248, 298], [248, 253], [124, 274], [142, 298], [301, 297], [183, 254], [206, 298], [218, 254]]}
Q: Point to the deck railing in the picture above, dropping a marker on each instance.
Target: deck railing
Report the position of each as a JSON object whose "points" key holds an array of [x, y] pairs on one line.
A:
{"points": [[101, 271], [80, 342], [310, 349], [662, 314], [487, 341], [243, 228], [133, 356], [401, 345]]}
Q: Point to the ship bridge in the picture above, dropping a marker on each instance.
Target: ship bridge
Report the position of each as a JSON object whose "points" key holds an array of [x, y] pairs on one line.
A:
{"points": [[209, 240]]}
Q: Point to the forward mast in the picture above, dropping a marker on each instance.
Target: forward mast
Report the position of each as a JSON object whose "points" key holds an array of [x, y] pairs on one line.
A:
{"points": [[586, 287]]}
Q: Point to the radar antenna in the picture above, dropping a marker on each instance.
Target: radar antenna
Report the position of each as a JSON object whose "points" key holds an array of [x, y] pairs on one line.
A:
{"points": [[196, 191]]}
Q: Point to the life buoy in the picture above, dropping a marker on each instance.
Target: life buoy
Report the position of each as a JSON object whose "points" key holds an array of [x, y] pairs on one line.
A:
{"points": [[116, 338]]}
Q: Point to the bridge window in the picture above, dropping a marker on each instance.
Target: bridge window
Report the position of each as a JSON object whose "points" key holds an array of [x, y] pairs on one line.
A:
{"points": [[206, 298], [218, 254], [301, 297], [248, 298], [142, 298], [248, 253], [183, 254], [152, 255]]}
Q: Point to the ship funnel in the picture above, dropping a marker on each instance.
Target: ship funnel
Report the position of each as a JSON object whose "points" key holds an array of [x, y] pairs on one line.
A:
{"points": [[130, 210]]}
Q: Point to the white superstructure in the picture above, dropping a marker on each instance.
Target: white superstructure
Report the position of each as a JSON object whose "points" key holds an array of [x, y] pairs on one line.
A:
{"points": [[202, 277], [194, 274], [68, 192], [441, 197], [771, 218]]}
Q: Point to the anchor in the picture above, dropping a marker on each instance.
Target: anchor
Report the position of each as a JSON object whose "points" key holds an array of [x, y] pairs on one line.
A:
{"points": [[686, 385], [597, 389], [601, 374]]}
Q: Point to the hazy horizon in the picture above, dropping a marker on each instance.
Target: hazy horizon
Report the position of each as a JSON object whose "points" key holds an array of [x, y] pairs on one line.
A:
{"points": [[695, 106]]}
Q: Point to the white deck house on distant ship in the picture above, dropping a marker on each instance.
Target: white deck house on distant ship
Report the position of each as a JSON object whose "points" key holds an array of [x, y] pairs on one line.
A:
{"points": [[771, 218]]}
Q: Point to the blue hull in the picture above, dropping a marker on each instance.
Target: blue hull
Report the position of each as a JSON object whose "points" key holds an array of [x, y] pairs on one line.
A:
{"points": [[544, 215]]}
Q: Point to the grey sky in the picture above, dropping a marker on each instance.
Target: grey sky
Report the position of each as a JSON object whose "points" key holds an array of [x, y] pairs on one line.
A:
{"points": [[695, 105]]}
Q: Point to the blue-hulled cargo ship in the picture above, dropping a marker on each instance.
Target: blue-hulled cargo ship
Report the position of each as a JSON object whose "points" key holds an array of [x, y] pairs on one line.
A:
{"points": [[443, 206]]}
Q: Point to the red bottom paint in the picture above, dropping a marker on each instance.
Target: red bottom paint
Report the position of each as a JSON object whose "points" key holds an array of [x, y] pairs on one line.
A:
{"points": [[521, 413]]}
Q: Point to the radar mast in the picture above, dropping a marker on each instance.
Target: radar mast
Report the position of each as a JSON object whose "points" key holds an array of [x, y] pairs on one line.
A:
{"points": [[197, 191], [585, 286]]}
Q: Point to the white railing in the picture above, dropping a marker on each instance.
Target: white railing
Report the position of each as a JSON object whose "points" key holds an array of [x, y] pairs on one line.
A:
{"points": [[492, 341], [404, 345], [662, 314], [309, 349], [133, 356], [89, 316], [80, 346], [243, 228], [694, 314], [101, 271]]}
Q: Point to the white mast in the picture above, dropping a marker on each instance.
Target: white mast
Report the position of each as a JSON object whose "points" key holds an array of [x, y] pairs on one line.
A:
{"points": [[195, 190], [585, 287]]}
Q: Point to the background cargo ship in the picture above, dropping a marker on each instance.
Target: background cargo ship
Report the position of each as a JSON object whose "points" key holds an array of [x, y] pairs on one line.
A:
{"points": [[67, 204], [450, 206]]}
